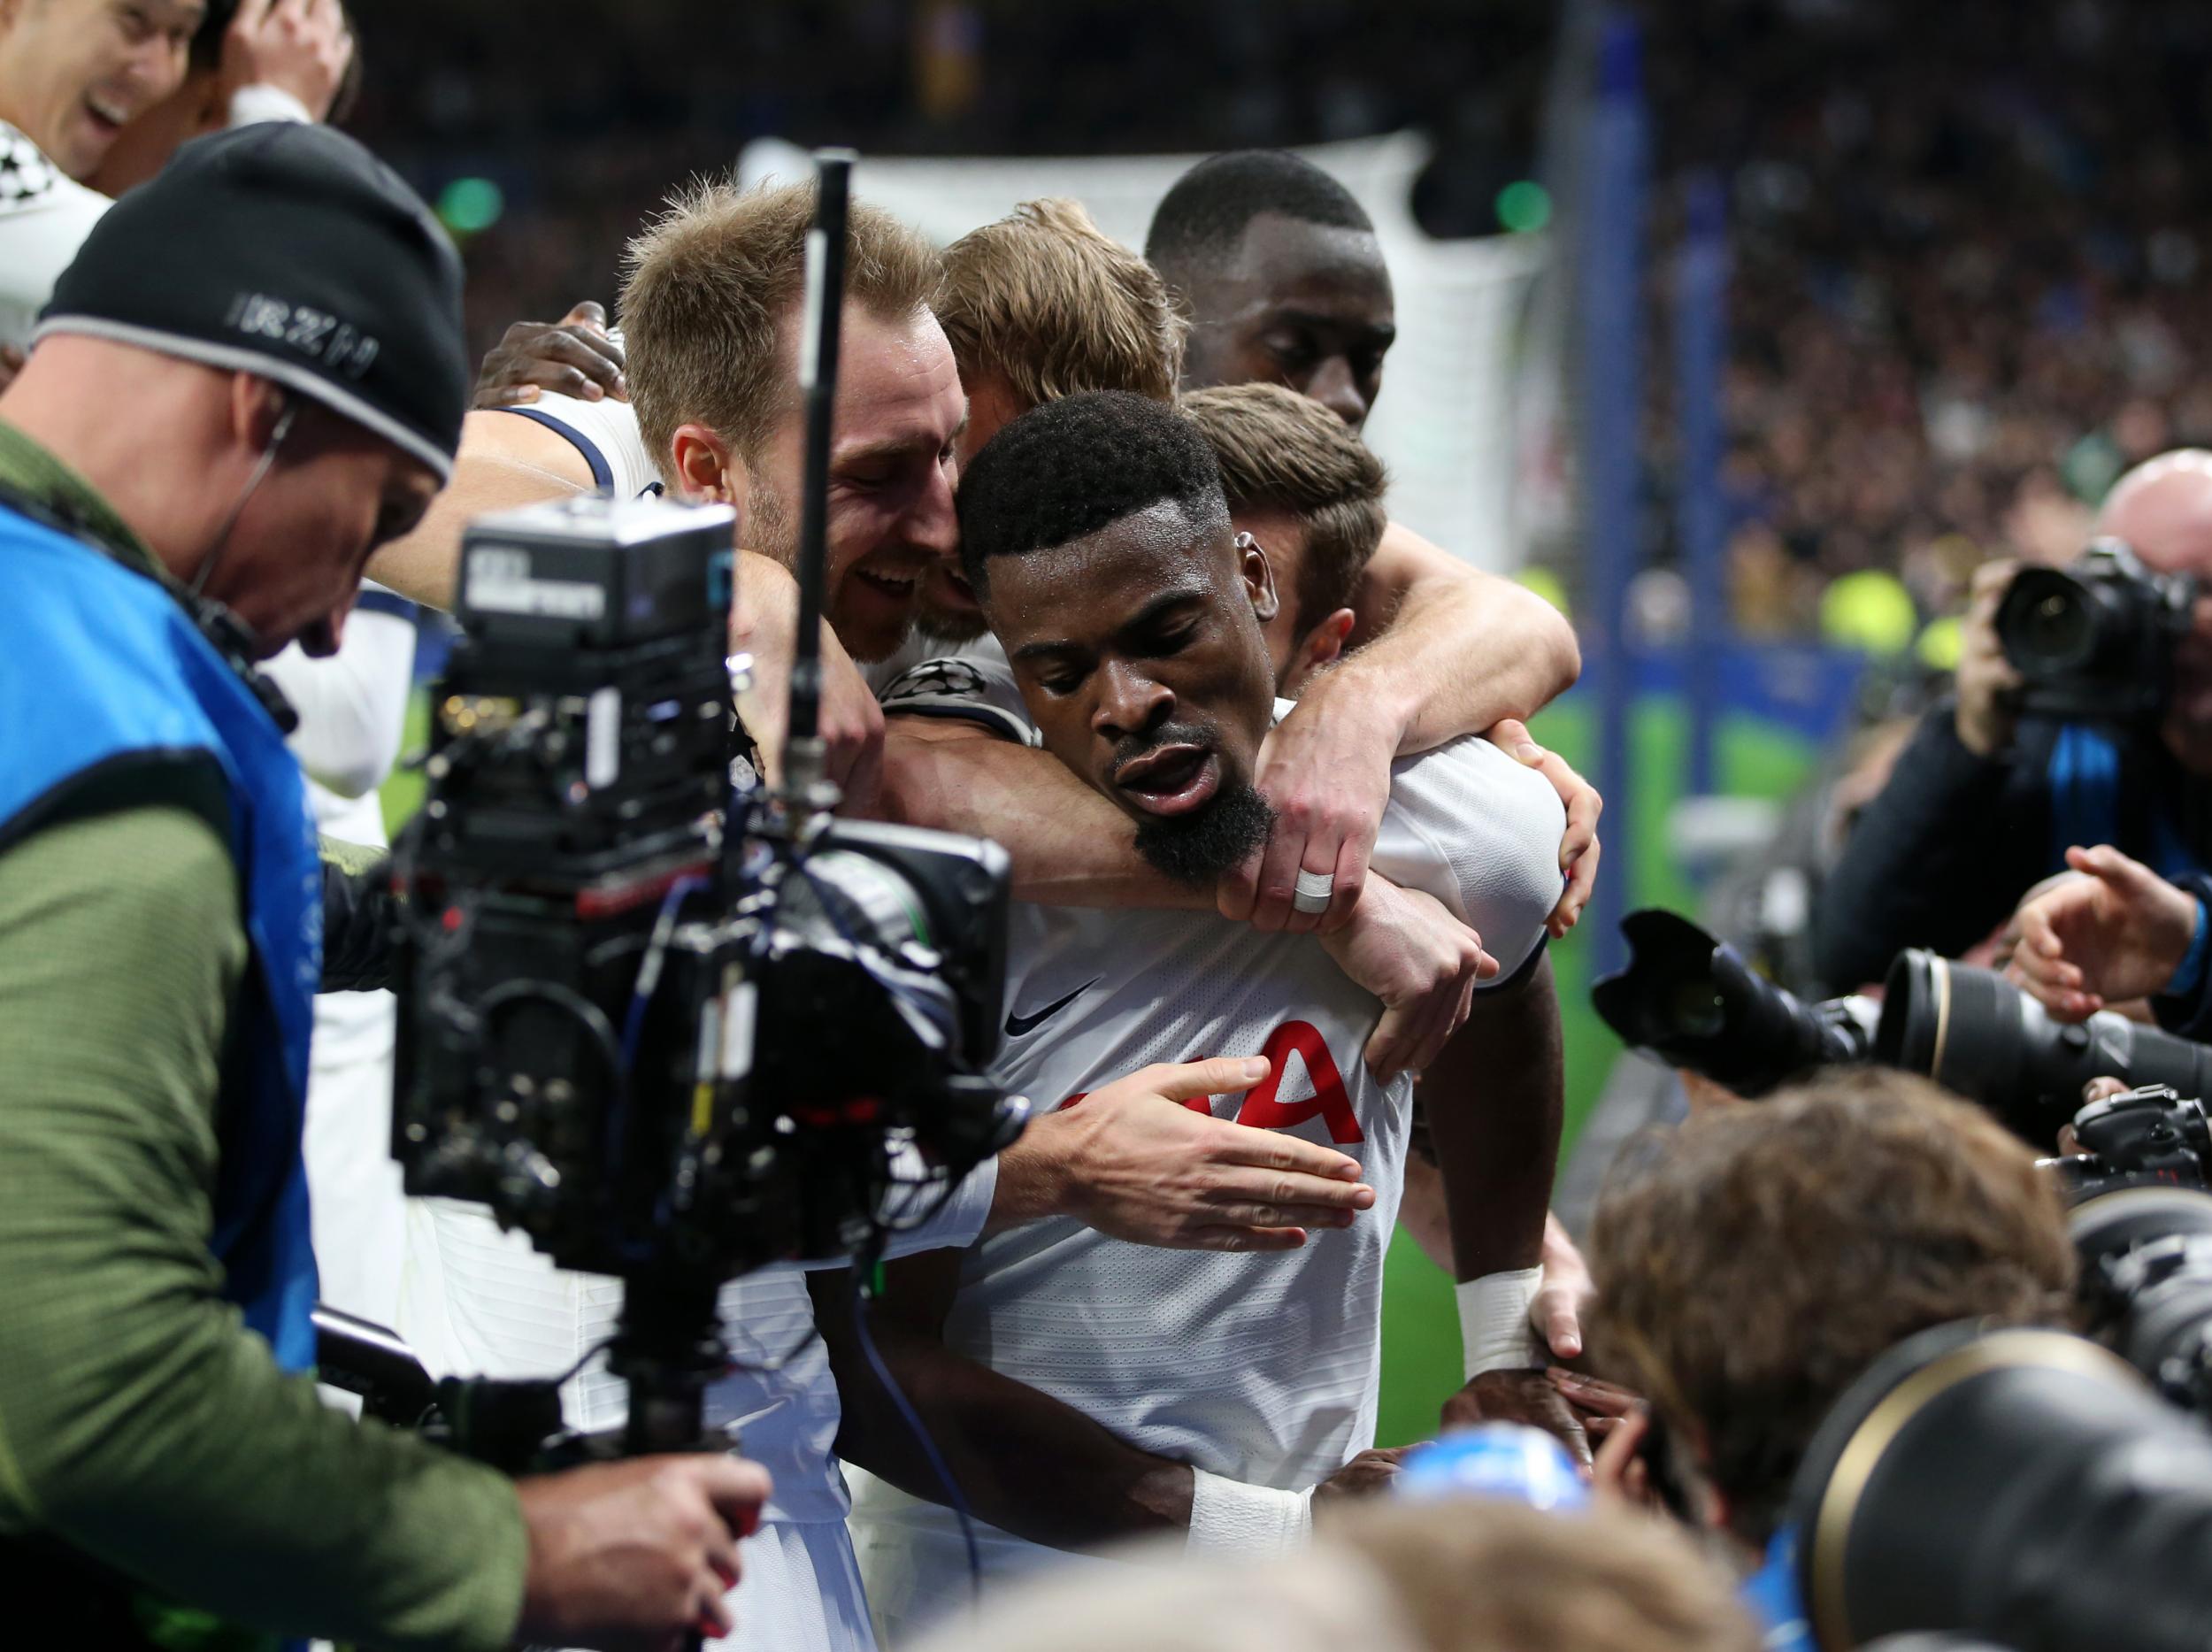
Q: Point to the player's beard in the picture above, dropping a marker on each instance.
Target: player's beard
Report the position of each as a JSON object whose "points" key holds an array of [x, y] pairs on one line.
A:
{"points": [[768, 526], [772, 530], [946, 625], [1197, 848]]}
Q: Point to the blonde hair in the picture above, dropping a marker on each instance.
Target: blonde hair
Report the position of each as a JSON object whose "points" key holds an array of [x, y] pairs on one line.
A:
{"points": [[707, 288], [1484, 1576], [1054, 305], [1387, 1577], [1280, 451]]}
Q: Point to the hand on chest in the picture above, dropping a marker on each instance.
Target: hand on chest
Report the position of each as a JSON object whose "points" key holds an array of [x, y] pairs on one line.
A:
{"points": [[1304, 1091]]}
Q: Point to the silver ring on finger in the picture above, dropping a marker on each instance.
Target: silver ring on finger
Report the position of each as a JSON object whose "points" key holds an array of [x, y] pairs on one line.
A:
{"points": [[1312, 892]]}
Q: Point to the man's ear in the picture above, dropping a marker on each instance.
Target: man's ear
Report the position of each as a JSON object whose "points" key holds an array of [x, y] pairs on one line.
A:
{"points": [[1320, 647], [257, 405], [1259, 576], [705, 472]]}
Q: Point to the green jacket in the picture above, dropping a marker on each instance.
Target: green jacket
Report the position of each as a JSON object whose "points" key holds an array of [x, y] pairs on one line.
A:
{"points": [[142, 1427]]}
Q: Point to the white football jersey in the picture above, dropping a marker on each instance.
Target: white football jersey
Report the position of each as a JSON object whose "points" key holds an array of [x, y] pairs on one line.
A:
{"points": [[1260, 1368], [605, 434]]}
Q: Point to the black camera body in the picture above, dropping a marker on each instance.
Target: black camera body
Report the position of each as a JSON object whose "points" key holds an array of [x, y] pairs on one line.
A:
{"points": [[2145, 1253], [667, 1028], [2150, 1136], [2095, 641]]}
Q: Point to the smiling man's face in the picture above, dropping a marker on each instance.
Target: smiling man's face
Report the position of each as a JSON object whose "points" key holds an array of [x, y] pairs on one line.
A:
{"points": [[74, 73], [890, 524], [1141, 658]]}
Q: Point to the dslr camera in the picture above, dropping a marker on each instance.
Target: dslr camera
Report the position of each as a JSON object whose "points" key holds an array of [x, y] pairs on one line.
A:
{"points": [[1690, 999], [2095, 641]]}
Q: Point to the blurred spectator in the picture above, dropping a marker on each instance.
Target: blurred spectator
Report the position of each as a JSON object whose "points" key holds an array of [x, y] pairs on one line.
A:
{"points": [[1469, 1577], [583, 125]]}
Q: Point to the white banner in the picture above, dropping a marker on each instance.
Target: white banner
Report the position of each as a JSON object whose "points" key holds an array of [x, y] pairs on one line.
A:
{"points": [[1443, 422]]}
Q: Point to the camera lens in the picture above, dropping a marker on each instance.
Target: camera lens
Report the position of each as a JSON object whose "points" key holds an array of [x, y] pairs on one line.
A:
{"points": [[2048, 622], [1975, 1033], [2018, 1484], [1692, 1000]]}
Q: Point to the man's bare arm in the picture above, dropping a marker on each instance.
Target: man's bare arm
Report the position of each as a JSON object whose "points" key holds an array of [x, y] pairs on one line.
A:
{"points": [[1494, 1101], [1026, 1462], [1452, 649], [503, 462], [1069, 846], [1446, 651]]}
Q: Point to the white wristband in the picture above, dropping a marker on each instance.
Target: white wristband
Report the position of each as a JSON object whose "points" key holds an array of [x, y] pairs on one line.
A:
{"points": [[1229, 1517], [1495, 1332], [263, 100]]}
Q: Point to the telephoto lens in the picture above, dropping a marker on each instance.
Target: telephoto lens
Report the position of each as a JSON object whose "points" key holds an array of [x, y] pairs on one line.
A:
{"points": [[1692, 1000], [1973, 1032], [2022, 1487], [2146, 1285]]}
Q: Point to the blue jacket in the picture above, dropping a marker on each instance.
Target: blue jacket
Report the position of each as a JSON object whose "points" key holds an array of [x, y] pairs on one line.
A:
{"points": [[108, 690]]}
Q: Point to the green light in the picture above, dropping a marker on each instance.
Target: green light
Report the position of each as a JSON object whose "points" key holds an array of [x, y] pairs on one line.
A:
{"points": [[1525, 207], [468, 204]]}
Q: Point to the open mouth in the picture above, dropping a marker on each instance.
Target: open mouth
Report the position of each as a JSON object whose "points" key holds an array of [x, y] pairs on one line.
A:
{"points": [[1170, 779], [897, 588], [108, 115]]}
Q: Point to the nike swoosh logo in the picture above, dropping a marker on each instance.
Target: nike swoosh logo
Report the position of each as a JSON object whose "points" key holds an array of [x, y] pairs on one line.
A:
{"points": [[1019, 1025]]}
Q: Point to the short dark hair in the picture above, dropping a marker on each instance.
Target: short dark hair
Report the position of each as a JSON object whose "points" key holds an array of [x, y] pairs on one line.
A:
{"points": [[1070, 467], [1202, 217], [1282, 451], [1752, 1264]]}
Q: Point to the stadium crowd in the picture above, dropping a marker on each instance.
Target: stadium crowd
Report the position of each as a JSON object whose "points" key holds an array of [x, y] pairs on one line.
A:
{"points": [[1265, 864], [1968, 255]]}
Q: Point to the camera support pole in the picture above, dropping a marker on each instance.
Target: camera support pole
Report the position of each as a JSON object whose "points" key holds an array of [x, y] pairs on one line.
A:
{"points": [[805, 790]]}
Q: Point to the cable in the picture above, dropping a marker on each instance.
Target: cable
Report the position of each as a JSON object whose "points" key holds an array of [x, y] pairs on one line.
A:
{"points": [[649, 969], [945, 1481]]}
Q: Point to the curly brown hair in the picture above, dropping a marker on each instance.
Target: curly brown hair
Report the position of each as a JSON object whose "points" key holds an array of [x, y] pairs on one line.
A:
{"points": [[1754, 1263]]}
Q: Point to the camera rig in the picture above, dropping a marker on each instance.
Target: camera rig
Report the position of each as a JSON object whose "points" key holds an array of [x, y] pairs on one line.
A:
{"points": [[670, 1023]]}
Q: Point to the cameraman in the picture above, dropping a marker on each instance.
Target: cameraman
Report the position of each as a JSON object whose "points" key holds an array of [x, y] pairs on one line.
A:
{"points": [[1752, 1264], [1984, 805], [250, 376]]}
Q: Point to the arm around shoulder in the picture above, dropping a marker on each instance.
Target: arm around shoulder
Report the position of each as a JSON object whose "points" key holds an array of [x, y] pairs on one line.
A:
{"points": [[505, 461]]}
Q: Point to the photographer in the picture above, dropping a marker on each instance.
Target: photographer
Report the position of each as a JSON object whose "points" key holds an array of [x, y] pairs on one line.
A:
{"points": [[1983, 802], [1755, 1262], [251, 375]]}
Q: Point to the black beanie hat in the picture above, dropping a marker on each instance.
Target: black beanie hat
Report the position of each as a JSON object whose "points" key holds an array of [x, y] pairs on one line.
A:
{"points": [[289, 251]]}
